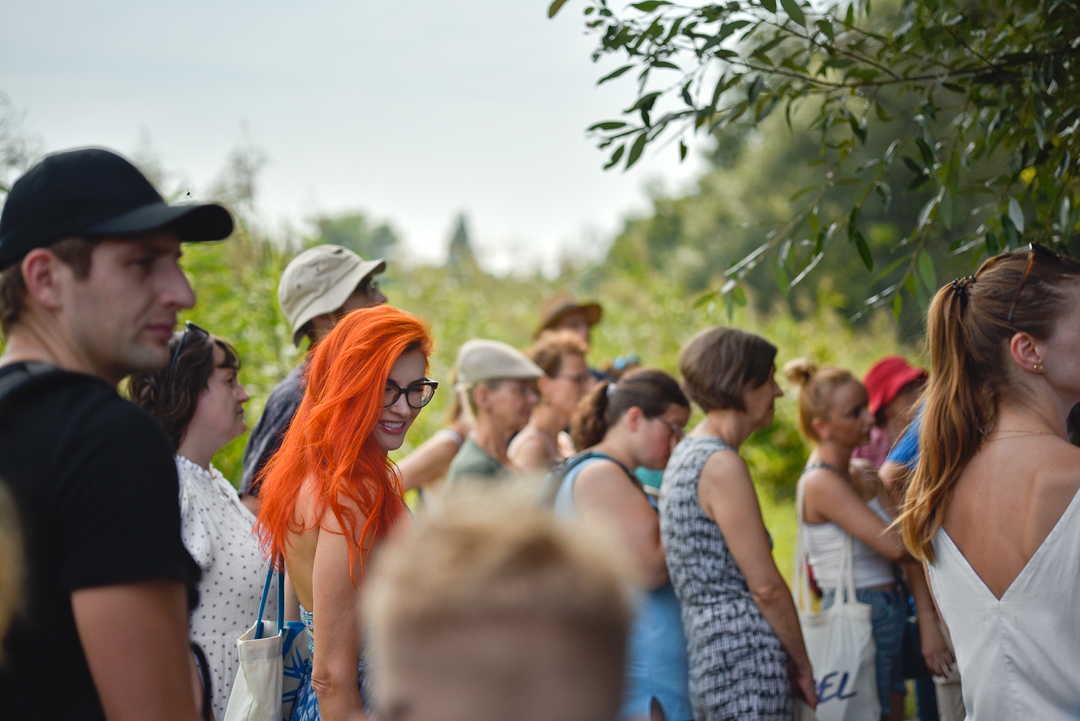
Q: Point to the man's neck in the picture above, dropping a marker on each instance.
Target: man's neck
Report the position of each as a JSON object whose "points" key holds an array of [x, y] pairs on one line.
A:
{"points": [[493, 441], [44, 345]]}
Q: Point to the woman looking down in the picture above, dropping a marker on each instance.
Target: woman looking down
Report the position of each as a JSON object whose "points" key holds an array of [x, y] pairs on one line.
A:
{"points": [[633, 423], [746, 649], [992, 506], [330, 494]]}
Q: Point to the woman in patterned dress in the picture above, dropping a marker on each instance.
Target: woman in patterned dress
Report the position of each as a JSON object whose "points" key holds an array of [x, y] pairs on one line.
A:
{"points": [[746, 650], [200, 404]]}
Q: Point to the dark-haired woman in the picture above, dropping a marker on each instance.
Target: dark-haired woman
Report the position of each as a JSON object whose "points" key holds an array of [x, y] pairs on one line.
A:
{"points": [[746, 648], [633, 423], [993, 506], [200, 403]]}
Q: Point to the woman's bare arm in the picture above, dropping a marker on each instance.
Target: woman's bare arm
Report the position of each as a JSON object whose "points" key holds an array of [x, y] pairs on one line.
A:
{"points": [[727, 496], [428, 462], [338, 629], [604, 490], [828, 498]]}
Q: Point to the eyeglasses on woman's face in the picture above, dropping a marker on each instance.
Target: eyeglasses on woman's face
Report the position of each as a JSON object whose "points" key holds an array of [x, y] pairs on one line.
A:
{"points": [[677, 433], [1034, 249], [190, 329], [417, 394]]}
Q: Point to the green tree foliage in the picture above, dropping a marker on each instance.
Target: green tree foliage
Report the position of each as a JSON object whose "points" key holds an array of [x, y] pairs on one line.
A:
{"points": [[976, 104], [356, 232]]}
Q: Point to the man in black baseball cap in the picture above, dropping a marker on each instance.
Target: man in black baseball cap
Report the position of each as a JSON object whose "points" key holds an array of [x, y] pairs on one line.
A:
{"points": [[90, 286]]}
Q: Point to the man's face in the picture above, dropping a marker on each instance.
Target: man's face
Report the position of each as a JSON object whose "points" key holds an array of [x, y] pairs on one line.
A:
{"points": [[366, 295], [577, 321], [510, 403], [120, 318]]}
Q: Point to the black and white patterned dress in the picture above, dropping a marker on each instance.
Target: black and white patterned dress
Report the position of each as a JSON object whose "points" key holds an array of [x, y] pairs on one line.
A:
{"points": [[738, 668]]}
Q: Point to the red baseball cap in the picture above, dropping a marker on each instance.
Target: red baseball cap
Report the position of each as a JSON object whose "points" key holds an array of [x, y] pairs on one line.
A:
{"points": [[885, 379]]}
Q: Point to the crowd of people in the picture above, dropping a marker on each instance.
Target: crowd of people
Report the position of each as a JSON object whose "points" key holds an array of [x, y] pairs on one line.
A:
{"points": [[577, 554]]}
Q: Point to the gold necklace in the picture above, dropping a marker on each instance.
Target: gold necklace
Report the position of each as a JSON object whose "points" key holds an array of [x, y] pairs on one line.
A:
{"points": [[1022, 434]]}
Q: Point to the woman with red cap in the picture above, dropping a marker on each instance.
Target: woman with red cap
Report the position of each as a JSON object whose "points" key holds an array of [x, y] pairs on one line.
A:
{"points": [[893, 387]]}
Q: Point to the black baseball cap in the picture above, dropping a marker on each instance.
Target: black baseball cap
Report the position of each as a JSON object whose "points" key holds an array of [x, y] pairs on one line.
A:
{"points": [[95, 192]]}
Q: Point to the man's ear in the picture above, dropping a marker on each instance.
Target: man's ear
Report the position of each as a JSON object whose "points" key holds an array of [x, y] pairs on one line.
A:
{"points": [[480, 397], [45, 276]]}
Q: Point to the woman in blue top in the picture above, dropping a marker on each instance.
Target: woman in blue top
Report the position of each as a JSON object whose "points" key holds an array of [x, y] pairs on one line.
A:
{"points": [[635, 422]]}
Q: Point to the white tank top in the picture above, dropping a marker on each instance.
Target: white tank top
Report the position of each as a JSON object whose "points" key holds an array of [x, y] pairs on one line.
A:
{"points": [[825, 541], [1018, 656]]}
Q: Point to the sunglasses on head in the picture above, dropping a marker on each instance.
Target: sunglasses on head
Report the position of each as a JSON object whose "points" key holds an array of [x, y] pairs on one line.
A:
{"points": [[1034, 250], [190, 329]]}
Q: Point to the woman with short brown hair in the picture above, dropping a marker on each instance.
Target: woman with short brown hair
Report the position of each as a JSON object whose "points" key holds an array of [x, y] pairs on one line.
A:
{"points": [[738, 614]]}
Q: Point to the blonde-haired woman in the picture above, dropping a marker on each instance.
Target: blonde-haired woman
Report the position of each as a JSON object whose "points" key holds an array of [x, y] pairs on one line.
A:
{"points": [[992, 506], [838, 501]]}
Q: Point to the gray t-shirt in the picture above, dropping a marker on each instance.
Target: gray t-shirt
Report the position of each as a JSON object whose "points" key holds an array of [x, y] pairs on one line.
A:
{"points": [[473, 462]]}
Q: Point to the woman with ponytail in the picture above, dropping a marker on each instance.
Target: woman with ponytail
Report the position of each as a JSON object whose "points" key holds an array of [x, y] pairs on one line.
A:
{"points": [[746, 648], [625, 425], [841, 499], [992, 506], [330, 494]]}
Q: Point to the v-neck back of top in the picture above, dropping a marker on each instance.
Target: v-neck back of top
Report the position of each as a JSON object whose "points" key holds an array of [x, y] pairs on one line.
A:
{"points": [[1018, 655]]}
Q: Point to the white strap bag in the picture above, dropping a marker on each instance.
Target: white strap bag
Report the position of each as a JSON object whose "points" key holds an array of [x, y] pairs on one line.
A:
{"points": [[839, 641], [273, 660]]}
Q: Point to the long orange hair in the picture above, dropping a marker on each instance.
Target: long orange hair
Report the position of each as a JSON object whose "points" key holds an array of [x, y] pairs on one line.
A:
{"points": [[330, 442]]}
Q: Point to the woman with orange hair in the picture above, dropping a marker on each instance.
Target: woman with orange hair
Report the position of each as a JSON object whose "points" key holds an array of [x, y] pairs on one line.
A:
{"points": [[330, 494]]}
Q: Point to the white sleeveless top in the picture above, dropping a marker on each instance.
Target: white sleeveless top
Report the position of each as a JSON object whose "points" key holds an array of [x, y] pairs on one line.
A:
{"points": [[1019, 656], [825, 541]]}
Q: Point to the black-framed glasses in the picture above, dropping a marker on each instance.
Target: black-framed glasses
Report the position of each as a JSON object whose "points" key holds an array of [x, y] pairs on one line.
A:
{"points": [[677, 433], [189, 329], [417, 394], [1034, 249]]}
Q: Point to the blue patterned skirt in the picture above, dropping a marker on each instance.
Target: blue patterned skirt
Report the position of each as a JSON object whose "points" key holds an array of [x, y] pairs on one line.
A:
{"points": [[307, 704]]}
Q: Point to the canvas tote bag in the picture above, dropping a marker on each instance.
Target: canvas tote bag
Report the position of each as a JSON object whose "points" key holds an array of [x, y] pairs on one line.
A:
{"points": [[273, 660], [839, 641]]}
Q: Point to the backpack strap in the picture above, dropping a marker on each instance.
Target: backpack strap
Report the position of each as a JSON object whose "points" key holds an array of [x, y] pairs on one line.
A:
{"points": [[30, 377], [549, 488]]}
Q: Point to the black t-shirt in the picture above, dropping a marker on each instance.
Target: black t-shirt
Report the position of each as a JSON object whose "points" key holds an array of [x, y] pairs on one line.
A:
{"points": [[266, 436], [96, 489]]}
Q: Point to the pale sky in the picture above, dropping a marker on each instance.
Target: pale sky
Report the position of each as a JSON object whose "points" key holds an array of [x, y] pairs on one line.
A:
{"points": [[408, 111]]}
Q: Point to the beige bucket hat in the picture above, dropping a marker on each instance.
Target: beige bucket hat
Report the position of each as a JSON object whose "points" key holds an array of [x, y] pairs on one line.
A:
{"points": [[320, 280]]}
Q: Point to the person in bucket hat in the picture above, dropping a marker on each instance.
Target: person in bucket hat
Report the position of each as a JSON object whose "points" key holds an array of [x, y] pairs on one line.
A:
{"points": [[90, 287], [316, 290]]}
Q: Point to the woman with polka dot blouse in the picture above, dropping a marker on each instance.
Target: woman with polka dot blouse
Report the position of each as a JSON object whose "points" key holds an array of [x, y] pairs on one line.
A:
{"points": [[200, 403]]}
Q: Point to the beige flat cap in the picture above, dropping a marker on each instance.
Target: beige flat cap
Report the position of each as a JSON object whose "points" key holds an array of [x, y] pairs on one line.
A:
{"points": [[488, 360]]}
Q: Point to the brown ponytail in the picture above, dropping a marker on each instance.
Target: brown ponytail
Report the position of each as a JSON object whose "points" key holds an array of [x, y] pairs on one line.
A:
{"points": [[969, 332], [650, 390]]}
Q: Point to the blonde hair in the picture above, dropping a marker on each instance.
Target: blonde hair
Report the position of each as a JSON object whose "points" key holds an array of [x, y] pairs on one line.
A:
{"points": [[502, 568], [969, 327], [816, 386]]}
